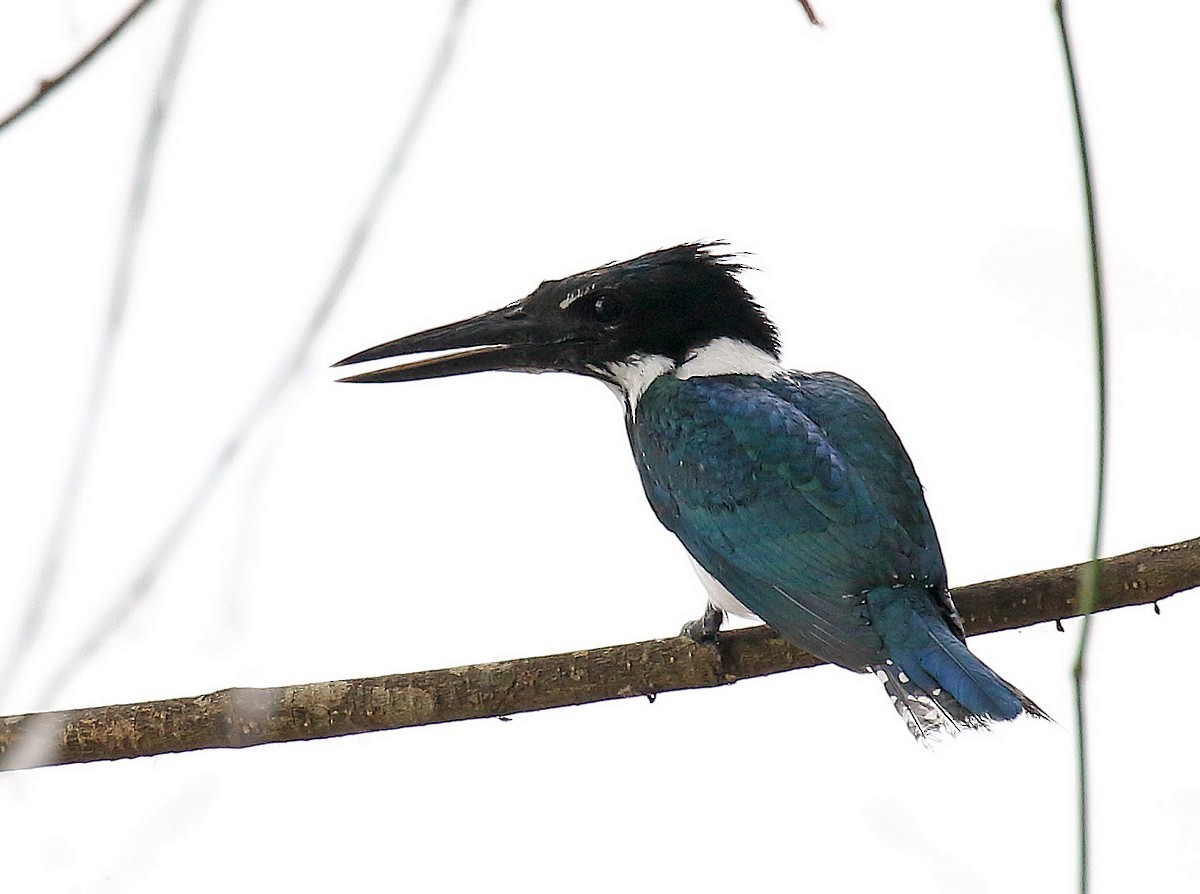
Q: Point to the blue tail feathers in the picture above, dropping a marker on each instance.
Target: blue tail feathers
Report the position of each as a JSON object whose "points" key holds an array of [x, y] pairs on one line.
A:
{"points": [[935, 682]]}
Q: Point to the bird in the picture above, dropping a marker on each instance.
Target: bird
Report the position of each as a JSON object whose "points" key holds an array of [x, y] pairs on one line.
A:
{"points": [[790, 491]]}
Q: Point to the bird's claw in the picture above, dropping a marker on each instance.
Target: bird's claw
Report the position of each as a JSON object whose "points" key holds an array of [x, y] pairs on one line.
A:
{"points": [[705, 628]]}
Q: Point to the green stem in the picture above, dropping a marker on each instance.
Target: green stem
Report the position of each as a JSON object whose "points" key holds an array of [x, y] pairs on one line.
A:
{"points": [[1089, 581]]}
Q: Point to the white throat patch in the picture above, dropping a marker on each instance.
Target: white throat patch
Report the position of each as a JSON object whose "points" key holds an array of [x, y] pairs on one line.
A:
{"points": [[720, 357], [633, 376]]}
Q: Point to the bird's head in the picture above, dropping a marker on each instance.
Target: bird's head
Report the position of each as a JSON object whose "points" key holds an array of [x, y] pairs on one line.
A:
{"points": [[665, 304]]}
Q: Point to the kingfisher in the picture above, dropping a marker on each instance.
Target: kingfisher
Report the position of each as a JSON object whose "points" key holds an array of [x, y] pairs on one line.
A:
{"points": [[790, 491]]}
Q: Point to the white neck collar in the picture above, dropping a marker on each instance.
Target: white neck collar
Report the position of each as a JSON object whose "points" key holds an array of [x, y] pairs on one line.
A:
{"points": [[720, 357]]}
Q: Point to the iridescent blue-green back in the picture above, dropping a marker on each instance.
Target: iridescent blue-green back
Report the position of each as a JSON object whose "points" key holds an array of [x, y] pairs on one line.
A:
{"points": [[795, 493]]}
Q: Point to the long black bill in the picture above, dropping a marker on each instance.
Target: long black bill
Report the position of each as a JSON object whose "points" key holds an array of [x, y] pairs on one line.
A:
{"points": [[500, 339]]}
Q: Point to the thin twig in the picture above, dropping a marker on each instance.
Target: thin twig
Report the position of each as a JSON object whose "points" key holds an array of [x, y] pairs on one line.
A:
{"points": [[239, 718], [135, 216], [130, 596], [812, 14], [52, 83], [1088, 581]]}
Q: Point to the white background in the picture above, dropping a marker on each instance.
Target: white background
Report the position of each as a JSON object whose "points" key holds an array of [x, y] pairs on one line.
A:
{"points": [[906, 179]]}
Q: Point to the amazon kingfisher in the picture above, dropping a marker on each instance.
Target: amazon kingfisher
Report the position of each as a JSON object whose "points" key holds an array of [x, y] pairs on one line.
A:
{"points": [[791, 491]]}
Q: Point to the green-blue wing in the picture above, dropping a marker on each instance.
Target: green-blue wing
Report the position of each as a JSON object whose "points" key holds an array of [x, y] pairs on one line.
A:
{"points": [[795, 493]]}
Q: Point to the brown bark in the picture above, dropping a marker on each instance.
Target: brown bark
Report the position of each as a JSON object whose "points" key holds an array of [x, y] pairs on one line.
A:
{"points": [[238, 718]]}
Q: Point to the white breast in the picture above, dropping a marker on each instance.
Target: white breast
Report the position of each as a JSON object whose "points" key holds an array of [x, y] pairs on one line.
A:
{"points": [[719, 596]]}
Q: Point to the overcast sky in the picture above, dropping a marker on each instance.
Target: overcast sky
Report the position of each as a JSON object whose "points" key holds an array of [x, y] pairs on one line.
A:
{"points": [[907, 183]]}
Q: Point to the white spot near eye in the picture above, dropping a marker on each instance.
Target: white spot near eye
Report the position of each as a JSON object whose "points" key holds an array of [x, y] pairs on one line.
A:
{"points": [[575, 295]]}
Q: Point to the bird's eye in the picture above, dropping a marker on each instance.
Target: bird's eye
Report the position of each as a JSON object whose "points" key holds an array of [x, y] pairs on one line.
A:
{"points": [[607, 309]]}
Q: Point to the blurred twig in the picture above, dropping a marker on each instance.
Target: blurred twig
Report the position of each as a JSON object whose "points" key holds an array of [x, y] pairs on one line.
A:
{"points": [[238, 718], [52, 83], [135, 215], [813, 19], [1088, 581], [294, 360]]}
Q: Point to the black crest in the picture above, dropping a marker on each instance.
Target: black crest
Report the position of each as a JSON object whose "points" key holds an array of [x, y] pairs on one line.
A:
{"points": [[667, 302]]}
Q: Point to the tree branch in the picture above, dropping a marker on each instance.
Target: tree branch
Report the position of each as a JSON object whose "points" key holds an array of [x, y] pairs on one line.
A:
{"points": [[239, 718], [48, 85], [813, 18]]}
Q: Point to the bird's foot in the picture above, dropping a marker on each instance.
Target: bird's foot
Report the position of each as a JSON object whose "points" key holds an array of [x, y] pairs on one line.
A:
{"points": [[705, 628]]}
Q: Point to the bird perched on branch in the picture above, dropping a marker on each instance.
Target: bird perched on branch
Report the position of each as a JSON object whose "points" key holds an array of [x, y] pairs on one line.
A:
{"points": [[792, 493]]}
